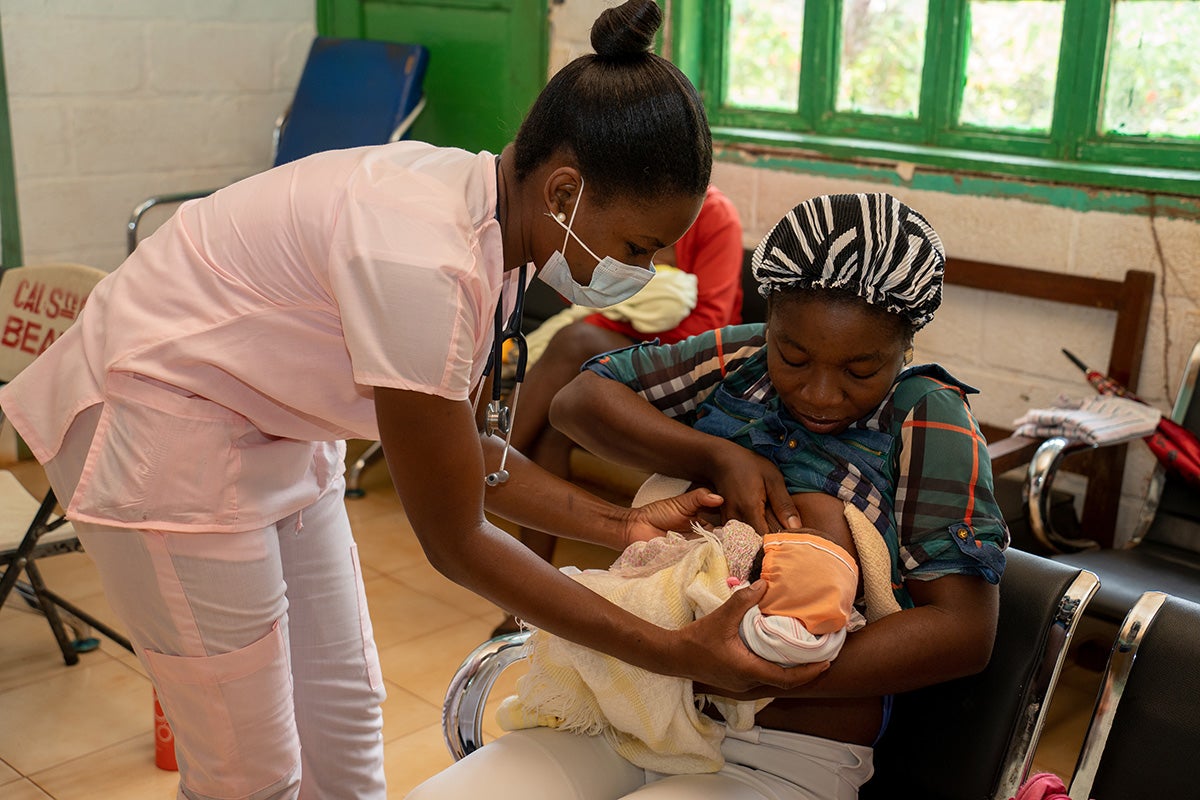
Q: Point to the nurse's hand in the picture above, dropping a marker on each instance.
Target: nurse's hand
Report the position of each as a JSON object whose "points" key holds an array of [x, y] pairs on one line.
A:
{"points": [[754, 490], [672, 514], [721, 663]]}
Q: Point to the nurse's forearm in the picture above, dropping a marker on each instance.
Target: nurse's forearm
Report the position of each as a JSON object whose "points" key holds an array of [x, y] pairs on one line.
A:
{"points": [[437, 466], [535, 498], [616, 423]]}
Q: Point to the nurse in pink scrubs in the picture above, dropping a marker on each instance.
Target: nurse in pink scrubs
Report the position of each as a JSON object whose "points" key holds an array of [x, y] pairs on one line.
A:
{"points": [[192, 420]]}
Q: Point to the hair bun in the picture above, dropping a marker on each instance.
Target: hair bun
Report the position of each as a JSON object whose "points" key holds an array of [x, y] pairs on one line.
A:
{"points": [[627, 30]]}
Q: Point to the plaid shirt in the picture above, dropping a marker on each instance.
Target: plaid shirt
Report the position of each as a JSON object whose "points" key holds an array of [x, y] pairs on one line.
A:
{"points": [[917, 466]]}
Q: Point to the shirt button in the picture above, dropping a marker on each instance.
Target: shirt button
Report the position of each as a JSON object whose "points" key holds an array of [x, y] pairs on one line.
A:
{"points": [[962, 534], [792, 443]]}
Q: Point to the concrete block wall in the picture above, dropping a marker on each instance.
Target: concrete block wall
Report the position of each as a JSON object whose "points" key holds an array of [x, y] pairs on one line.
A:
{"points": [[115, 100]]}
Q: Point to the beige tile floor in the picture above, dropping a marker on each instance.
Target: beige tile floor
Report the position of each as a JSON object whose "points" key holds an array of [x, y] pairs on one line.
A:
{"points": [[71, 733]]}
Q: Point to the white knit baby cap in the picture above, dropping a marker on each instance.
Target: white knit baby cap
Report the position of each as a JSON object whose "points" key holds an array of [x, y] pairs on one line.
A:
{"points": [[871, 244]]}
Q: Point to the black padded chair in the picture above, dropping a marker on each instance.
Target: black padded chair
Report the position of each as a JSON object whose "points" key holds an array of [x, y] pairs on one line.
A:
{"points": [[1143, 736], [1163, 554], [987, 725], [982, 730]]}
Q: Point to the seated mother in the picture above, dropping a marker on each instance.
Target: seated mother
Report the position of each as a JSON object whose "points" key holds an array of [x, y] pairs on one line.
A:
{"points": [[817, 400]]}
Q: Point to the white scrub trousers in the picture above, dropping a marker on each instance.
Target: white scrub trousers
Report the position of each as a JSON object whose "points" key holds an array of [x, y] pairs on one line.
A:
{"points": [[545, 764], [258, 644]]}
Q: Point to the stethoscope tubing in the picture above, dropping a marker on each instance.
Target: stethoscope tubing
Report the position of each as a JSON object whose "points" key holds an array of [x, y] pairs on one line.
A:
{"points": [[500, 416]]}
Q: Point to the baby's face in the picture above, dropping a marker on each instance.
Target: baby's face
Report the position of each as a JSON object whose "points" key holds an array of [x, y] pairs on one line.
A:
{"points": [[756, 567]]}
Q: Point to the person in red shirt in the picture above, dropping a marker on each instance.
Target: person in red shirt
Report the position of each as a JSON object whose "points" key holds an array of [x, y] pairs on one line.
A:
{"points": [[712, 251]]}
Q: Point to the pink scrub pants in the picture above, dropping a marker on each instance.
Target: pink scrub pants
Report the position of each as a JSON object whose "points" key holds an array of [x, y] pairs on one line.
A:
{"points": [[258, 643], [545, 764]]}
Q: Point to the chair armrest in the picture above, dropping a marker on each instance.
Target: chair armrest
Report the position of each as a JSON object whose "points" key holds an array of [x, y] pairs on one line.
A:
{"points": [[1011, 452], [1038, 481], [135, 218], [462, 711]]}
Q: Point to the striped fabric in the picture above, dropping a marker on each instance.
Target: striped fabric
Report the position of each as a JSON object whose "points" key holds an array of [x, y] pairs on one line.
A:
{"points": [[917, 466], [871, 244]]}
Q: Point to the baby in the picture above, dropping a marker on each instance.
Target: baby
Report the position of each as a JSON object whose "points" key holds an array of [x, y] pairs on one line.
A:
{"points": [[655, 721], [812, 575], [812, 583]]}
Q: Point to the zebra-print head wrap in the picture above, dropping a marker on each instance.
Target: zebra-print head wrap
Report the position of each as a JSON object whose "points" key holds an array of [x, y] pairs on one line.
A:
{"points": [[871, 244]]}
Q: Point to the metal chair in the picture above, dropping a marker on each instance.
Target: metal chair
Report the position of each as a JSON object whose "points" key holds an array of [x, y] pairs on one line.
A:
{"points": [[1142, 738], [40, 303], [1164, 551], [352, 92], [988, 725], [999, 712]]}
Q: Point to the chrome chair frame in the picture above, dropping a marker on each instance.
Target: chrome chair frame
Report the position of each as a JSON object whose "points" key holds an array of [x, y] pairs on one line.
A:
{"points": [[1163, 552], [1142, 737], [1048, 457], [1112, 689], [462, 710]]}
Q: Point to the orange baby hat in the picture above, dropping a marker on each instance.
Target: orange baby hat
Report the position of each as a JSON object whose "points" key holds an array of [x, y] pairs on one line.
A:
{"points": [[810, 579]]}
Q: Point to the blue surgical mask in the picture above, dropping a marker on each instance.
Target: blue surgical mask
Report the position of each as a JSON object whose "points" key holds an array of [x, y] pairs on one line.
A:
{"points": [[612, 282]]}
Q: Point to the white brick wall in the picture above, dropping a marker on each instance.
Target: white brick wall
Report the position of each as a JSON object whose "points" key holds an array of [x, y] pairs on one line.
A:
{"points": [[115, 100]]}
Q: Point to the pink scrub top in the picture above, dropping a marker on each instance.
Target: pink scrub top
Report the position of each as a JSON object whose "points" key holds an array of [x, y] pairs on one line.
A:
{"points": [[240, 342]]}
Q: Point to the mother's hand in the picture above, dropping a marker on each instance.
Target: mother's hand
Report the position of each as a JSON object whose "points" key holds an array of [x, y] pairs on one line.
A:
{"points": [[714, 657], [754, 490]]}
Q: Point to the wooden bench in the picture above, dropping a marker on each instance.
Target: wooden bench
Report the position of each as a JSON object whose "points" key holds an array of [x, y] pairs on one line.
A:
{"points": [[1129, 300]]}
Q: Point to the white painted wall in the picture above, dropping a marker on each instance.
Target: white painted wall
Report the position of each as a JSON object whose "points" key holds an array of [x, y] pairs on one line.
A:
{"points": [[115, 100]]}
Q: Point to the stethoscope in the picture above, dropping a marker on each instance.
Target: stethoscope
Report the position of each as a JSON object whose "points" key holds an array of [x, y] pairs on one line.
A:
{"points": [[499, 416]]}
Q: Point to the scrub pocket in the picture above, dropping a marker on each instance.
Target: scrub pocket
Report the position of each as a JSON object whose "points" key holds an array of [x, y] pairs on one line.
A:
{"points": [[166, 460], [242, 734]]}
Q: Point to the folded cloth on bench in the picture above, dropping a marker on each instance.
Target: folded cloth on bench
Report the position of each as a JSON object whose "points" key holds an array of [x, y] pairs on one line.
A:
{"points": [[1103, 419]]}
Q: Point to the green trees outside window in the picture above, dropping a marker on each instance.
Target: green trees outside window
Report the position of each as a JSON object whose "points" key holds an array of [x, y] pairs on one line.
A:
{"points": [[1104, 92]]}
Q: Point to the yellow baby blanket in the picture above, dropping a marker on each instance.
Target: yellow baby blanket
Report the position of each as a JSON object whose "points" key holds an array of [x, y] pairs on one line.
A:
{"points": [[651, 720]]}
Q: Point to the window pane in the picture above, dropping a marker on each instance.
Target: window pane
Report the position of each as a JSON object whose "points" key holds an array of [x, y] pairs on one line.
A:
{"points": [[1152, 86], [764, 54], [883, 53], [1012, 64]]}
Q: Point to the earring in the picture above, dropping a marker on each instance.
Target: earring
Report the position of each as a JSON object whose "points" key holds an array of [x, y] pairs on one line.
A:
{"points": [[908, 356], [561, 216]]}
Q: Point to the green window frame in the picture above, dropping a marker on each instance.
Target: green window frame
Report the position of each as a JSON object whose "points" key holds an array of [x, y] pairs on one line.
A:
{"points": [[1073, 151]]}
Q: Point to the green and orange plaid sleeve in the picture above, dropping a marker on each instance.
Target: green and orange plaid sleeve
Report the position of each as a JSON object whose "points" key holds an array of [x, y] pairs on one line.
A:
{"points": [[947, 518]]}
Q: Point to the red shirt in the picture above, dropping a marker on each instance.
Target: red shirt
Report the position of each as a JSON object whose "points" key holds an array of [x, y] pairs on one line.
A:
{"points": [[712, 251]]}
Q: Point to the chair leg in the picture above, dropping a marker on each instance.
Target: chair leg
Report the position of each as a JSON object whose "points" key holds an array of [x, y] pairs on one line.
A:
{"points": [[70, 655], [369, 457], [85, 619]]}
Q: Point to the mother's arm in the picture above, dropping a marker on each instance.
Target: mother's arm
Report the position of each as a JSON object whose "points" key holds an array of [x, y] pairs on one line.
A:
{"points": [[437, 463], [614, 422], [949, 634]]}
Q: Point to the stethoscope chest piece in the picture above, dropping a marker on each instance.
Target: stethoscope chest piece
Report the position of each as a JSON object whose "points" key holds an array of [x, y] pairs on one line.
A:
{"points": [[498, 418]]}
